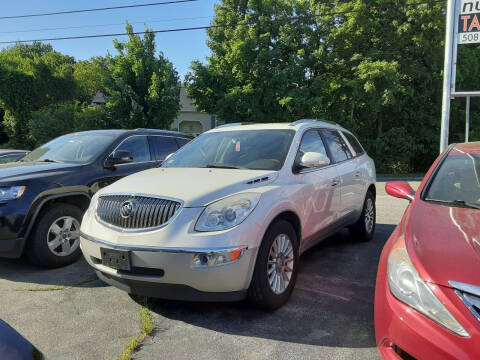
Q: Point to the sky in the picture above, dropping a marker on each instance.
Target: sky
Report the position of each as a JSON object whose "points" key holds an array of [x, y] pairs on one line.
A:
{"points": [[181, 48]]}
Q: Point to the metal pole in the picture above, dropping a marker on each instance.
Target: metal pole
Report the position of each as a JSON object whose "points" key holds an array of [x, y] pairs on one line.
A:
{"points": [[447, 75], [467, 119]]}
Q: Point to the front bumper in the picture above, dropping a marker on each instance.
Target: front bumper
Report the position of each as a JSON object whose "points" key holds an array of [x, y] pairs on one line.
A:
{"points": [[400, 329], [168, 272], [12, 248]]}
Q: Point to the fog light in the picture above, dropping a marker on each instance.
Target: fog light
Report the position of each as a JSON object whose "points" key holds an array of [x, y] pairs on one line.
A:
{"points": [[218, 258]]}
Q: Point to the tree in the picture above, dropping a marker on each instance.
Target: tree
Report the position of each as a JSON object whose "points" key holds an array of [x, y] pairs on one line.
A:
{"points": [[261, 64], [32, 76], [90, 76], [144, 88]]}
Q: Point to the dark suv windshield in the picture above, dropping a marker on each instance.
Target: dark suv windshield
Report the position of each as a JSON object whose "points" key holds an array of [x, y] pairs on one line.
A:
{"points": [[457, 181], [72, 148], [245, 149]]}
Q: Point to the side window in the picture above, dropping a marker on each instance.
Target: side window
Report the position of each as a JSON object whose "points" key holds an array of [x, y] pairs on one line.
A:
{"points": [[337, 146], [163, 146], [138, 148], [355, 144], [311, 142]]}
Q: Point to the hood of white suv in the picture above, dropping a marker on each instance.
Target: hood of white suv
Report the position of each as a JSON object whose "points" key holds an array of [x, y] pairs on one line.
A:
{"points": [[195, 186]]}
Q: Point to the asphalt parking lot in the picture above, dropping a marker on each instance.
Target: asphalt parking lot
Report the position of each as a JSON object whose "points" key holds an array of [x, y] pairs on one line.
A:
{"points": [[69, 314]]}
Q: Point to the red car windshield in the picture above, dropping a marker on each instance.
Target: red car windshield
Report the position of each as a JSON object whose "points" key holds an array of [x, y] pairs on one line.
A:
{"points": [[457, 181]]}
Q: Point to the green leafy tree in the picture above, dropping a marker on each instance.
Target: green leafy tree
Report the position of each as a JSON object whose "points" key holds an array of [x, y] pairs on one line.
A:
{"points": [[144, 88], [90, 76], [32, 76], [59, 119], [263, 67]]}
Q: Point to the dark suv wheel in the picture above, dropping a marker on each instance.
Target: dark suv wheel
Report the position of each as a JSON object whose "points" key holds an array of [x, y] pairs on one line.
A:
{"points": [[55, 239], [275, 271]]}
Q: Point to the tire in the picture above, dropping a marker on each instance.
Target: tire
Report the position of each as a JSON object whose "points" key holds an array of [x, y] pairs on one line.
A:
{"points": [[44, 233], [261, 293], [363, 230]]}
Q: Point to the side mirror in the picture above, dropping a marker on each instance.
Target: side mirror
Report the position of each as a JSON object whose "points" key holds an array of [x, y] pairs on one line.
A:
{"points": [[400, 189], [311, 160], [118, 157]]}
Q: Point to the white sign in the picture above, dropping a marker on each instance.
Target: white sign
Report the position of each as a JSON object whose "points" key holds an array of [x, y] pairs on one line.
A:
{"points": [[469, 22]]}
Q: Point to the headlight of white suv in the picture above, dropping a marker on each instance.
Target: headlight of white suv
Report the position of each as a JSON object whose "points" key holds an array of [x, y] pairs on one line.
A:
{"points": [[407, 286], [228, 212], [11, 192]]}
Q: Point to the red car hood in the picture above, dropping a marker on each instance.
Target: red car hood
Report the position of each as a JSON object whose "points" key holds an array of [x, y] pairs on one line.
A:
{"points": [[444, 242]]}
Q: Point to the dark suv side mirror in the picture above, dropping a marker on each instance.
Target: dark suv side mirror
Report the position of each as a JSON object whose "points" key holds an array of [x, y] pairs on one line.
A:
{"points": [[118, 157]]}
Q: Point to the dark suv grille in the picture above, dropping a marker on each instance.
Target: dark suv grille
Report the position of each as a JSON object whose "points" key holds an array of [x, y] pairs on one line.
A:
{"points": [[135, 212]]}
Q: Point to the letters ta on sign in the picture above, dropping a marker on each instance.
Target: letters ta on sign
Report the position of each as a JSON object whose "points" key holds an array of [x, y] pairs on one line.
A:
{"points": [[469, 22]]}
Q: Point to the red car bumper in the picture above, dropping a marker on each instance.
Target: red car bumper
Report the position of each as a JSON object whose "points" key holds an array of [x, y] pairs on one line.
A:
{"points": [[403, 333]]}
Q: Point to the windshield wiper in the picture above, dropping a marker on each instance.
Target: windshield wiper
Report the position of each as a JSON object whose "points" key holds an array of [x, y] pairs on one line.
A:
{"points": [[49, 161], [461, 203], [218, 166]]}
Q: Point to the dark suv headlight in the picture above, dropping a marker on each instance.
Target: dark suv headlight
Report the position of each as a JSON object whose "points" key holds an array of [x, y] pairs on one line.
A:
{"points": [[11, 192]]}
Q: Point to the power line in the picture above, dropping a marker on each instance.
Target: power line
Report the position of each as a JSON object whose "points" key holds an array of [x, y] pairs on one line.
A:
{"points": [[292, 18], [97, 9], [105, 25]]}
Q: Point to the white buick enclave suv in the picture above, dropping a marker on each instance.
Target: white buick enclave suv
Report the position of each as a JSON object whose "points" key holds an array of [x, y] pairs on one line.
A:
{"points": [[227, 216]]}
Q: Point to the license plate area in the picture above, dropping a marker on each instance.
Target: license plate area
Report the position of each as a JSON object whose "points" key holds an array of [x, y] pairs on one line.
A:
{"points": [[116, 259]]}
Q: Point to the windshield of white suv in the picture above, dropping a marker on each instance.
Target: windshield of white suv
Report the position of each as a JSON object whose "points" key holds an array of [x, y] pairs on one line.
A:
{"points": [[457, 182], [244, 149], [72, 148]]}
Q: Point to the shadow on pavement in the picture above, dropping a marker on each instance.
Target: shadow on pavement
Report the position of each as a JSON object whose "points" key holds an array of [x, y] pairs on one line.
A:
{"points": [[332, 304], [22, 272]]}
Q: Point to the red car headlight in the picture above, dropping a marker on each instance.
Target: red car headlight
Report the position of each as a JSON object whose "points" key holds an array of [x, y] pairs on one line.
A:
{"points": [[407, 286]]}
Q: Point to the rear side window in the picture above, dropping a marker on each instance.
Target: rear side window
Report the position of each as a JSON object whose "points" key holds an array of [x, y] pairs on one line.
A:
{"points": [[138, 148], [355, 144], [162, 146], [337, 146]]}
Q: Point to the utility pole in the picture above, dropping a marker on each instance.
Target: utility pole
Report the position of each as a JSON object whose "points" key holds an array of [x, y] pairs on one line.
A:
{"points": [[447, 74]]}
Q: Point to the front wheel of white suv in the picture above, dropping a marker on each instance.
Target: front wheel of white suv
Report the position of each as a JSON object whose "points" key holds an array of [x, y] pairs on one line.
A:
{"points": [[275, 271], [364, 228]]}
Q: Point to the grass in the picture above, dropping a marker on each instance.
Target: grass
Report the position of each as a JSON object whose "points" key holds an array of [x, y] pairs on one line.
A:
{"points": [[58, 287], [145, 331]]}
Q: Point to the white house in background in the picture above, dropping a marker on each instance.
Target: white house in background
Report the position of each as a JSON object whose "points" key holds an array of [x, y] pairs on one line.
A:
{"points": [[189, 119]]}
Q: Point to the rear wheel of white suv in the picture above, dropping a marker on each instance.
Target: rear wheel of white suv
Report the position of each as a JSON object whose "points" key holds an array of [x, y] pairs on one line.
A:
{"points": [[275, 271], [364, 228]]}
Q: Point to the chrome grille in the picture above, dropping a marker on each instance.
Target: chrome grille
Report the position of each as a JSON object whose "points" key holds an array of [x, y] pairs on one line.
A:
{"points": [[135, 212], [470, 295]]}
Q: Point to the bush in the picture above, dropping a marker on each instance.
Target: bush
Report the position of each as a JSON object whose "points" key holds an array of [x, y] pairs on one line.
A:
{"points": [[393, 151], [60, 119]]}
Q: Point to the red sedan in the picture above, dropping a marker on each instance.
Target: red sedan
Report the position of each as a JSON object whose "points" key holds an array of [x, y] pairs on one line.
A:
{"points": [[427, 296]]}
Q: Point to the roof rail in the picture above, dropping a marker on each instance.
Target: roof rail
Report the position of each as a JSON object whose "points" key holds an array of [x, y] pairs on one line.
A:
{"points": [[303, 121], [235, 124]]}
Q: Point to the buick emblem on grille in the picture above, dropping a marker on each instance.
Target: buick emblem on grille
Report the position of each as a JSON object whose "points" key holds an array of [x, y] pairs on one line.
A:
{"points": [[128, 208]]}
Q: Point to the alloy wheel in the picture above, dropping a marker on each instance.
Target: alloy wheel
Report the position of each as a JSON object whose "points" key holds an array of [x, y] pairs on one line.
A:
{"points": [[280, 264], [63, 236], [369, 215]]}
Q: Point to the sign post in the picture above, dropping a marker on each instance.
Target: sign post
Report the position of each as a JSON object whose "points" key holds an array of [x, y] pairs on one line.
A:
{"points": [[447, 74], [463, 27]]}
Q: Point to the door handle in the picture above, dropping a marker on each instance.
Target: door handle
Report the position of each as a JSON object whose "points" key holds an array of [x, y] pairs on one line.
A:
{"points": [[358, 174], [335, 182]]}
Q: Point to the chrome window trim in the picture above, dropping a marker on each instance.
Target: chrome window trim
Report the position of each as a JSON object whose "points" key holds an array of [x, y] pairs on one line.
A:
{"points": [[133, 195], [173, 250]]}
